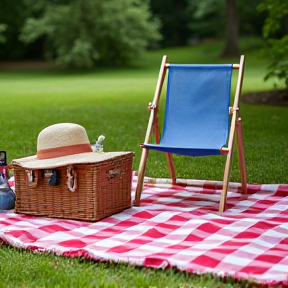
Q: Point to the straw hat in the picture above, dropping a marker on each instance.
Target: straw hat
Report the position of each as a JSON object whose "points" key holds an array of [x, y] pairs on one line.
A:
{"points": [[60, 145]]}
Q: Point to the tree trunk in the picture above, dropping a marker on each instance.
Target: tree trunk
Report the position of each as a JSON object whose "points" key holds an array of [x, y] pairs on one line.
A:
{"points": [[232, 30]]}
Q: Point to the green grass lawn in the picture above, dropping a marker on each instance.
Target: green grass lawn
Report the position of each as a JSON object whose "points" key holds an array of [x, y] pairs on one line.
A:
{"points": [[114, 103]]}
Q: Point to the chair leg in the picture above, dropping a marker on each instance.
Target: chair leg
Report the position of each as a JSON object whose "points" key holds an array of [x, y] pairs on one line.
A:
{"points": [[241, 156], [226, 181], [171, 168], [228, 167], [141, 174]]}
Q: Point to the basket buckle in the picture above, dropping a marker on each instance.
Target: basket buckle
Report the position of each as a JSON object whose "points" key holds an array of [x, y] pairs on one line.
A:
{"points": [[114, 172], [72, 179], [32, 178]]}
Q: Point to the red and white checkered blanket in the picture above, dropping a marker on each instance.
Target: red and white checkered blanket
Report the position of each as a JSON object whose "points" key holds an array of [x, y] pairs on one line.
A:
{"points": [[176, 226]]}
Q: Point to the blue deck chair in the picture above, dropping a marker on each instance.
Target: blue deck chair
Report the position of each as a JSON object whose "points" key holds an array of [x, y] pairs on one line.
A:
{"points": [[198, 118]]}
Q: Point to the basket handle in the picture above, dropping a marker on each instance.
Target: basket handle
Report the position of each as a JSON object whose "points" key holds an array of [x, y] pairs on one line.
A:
{"points": [[32, 178], [71, 179]]}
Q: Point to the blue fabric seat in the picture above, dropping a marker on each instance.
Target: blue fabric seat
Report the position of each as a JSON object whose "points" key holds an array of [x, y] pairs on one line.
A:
{"points": [[196, 114]]}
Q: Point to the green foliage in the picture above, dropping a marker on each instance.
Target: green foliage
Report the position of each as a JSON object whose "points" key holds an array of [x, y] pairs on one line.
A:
{"points": [[208, 18], [204, 8], [275, 32], [13, 14], [174, 17], [82, 33], [250, 22], [277, 11], [3, 27], [276, 51]]}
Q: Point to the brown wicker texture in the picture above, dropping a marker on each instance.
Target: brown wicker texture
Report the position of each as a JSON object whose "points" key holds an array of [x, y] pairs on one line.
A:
{"points": [[103, 189]]}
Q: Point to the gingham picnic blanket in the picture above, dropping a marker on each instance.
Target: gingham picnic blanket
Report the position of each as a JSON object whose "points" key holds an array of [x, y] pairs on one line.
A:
{"points": [[176, 226]]}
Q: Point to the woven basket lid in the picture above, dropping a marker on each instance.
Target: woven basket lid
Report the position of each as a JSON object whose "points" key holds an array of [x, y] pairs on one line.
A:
{"points": [[63, 144]]}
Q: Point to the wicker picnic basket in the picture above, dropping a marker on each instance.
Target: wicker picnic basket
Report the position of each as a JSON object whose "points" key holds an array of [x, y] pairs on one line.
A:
{"points": [[66, 179], [103, 188]]}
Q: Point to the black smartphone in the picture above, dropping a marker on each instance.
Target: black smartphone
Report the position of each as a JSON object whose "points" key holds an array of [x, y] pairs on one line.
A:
{"points": [[3, 158]]}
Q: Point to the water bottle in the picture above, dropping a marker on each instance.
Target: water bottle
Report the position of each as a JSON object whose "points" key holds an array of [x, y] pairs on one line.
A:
{"points": [[98, 147], [99, 144], [7, 195]]}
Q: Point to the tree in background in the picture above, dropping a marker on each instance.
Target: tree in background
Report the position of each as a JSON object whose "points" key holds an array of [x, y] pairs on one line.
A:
{"points": [[207, 19], [225, 19], [275, 33], [175, 16], [3, 27], [250, 21], [182, 22], [81, 33], [13, 14], [232, 29], [212, 17]]}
